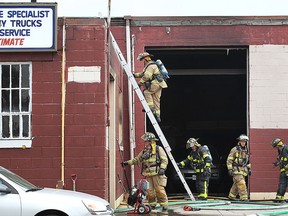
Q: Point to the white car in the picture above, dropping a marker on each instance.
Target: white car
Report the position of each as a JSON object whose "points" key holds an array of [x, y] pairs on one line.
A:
{"points": [[18, 197]]}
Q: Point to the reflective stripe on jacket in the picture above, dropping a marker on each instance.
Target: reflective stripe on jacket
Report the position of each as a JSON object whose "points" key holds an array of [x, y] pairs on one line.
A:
{"points": [[199, 160], [147, 75], [238, 160], [150, 165], [283, 157]]}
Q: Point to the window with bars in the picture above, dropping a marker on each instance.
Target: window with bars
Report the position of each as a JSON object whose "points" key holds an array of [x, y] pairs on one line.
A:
{"points": [[15, 105]]}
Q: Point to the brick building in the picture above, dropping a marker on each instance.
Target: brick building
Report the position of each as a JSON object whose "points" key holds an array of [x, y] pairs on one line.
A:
{"points": [[228, 76]]}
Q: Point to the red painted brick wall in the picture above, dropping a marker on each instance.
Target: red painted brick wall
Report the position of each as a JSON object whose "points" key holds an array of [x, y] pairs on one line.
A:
{"points": [[86, 108], [85, 114], [86, 111], [265, 176]]}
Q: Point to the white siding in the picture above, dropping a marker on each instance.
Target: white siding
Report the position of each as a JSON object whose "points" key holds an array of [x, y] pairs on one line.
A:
{"points": [[268, 86]]}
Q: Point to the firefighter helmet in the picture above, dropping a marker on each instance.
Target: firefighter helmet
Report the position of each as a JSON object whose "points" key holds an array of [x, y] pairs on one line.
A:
{"points": [[243, 137], [277, 142], [141, 56], [148, 136], [191, 142]]}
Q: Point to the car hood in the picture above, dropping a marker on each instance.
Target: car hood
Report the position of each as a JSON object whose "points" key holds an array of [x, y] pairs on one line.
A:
{"points": [[64, 200], [62, 193]]}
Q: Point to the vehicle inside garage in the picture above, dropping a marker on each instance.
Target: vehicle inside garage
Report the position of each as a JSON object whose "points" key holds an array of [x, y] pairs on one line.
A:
{"points": [[206, 98]]}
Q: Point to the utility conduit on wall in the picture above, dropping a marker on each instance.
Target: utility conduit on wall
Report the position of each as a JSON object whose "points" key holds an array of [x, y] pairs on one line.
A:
{"points": [[62, 182], [131, 99]]}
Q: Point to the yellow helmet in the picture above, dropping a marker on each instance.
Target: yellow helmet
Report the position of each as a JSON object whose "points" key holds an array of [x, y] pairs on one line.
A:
{"points": [[148, 136]]}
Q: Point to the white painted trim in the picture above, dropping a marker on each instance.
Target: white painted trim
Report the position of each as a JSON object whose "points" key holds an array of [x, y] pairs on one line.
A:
{"points": [[16, 144], [112, 143], [119, 201], [264, 195], [23, 142]]}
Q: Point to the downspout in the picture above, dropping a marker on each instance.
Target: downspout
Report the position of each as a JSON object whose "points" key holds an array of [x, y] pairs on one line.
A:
{"points": [[107, 72], [111, 148], [131, 99], [63, 105], [107, 68]]}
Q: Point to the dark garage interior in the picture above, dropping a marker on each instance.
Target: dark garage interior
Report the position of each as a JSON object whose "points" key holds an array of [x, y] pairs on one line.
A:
{"points": [[206, 98]]}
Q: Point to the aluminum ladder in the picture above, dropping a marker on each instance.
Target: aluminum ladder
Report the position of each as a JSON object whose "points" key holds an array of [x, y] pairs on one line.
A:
{"points": [[127, 69]]}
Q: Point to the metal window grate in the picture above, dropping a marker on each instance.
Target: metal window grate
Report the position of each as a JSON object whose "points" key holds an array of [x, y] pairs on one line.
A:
{"points": [[15, 101]]}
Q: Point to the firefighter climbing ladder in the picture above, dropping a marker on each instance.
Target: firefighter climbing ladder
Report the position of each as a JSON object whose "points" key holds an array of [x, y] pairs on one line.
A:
{"points": [[155, 124]]}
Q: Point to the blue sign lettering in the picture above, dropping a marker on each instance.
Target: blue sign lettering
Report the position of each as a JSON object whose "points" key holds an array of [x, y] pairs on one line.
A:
{"points": [[28, 14], [26, 23], [2, 23]]}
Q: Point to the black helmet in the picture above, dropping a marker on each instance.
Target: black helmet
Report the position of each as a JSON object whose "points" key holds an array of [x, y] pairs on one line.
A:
{"points": [[276, 142], [148, 136]]}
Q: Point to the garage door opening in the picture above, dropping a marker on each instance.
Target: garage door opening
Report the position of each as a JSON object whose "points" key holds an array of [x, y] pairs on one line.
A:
{"points": [[206, 98]]}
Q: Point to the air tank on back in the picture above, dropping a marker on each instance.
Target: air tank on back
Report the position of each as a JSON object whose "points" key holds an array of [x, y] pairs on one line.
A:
{"points": [[162, 68]]}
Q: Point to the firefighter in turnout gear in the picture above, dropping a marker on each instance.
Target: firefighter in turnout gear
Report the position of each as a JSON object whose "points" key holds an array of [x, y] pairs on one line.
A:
{"points": [[200, 161], [153, 83], [154, 163], [282, 161], [239, 167]]}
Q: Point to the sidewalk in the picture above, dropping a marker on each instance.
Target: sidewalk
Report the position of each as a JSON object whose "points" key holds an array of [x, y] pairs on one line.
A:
{"points": [[218, 207]]}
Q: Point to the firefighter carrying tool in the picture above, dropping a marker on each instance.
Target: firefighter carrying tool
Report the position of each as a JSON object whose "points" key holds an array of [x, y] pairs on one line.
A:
{"points": [[151, 116]]}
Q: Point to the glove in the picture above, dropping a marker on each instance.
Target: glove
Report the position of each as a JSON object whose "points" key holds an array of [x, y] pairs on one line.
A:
{"points": [[179, 165], [207, 171], [125, 163], [249, 172], [230, 172], [276, 163], [161, 171]]}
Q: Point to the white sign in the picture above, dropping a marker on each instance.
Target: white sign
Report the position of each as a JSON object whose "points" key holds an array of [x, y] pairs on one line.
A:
{"points": [[29, 27]]}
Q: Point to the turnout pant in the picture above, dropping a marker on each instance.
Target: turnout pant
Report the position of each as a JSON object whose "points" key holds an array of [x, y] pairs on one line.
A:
{"points": [[152, 96], [282, 185], [202, 183], [238, 187], [156, 191]]}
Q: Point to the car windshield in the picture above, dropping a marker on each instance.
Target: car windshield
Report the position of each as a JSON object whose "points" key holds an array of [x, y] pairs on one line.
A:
{"points": [[17, 179]]}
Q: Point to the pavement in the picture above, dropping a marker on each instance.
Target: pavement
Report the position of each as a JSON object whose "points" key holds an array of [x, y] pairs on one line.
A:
{"points": [[214, 207]]}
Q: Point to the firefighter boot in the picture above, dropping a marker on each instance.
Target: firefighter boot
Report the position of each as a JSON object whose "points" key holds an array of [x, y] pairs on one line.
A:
{"points": [[165, 210], [156, 114]]}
